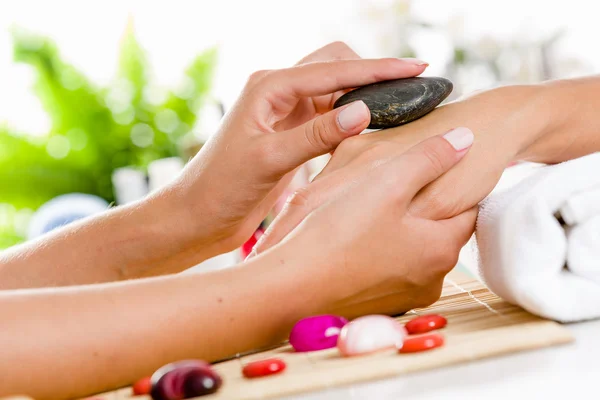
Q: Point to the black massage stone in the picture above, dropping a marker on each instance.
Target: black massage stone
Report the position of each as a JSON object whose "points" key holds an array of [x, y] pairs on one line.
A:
{"points": [[400, 101]]}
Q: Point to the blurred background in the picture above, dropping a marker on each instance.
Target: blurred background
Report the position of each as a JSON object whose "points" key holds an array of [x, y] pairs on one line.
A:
{"points": [[109, 99]]}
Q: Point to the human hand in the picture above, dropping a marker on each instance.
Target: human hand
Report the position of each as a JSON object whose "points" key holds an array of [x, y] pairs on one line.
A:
{"points": [[506, 121], [282, 119], [364, 251]]}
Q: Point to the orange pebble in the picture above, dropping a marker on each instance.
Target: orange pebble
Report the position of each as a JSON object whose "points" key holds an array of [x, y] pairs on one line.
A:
{"points": [[263, 368], [142, 386], [422, 343], [425, 323]]}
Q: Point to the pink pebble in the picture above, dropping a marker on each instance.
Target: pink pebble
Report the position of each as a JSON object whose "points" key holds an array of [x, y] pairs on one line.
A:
{"points": [[316, 333], [369, 334]]}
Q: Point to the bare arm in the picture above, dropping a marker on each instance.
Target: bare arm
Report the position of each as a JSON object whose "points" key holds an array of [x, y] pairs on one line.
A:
{"points": [[574, 130], [549, 122], [108, 335], [282, 119], [144, 239]]}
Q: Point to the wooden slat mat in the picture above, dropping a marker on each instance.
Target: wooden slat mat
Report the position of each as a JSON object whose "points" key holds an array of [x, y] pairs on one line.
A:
{"points": [[480, 325]]}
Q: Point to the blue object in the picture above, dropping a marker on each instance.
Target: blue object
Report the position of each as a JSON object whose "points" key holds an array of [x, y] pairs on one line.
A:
{"points": [[63, 210]]}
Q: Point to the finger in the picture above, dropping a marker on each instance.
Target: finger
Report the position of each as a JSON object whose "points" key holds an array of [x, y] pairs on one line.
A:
{"points": [[452, 194], [461, 228], [304, 201], [319, 78], [331, 51], [318, 136], [430, 159]]}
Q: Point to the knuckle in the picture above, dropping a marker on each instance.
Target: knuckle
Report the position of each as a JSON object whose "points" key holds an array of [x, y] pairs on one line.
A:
{"points": [[257, 76], [392, 184], [365, 148], [377, 152], [430, 294], [350, 147], [435, 203], [301, 198], [318, 133], [444, 258], [338, 45], [436, 159]]}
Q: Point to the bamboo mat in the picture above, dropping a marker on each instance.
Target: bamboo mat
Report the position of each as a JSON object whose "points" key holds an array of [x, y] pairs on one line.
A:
{"points": [[480, 325]]}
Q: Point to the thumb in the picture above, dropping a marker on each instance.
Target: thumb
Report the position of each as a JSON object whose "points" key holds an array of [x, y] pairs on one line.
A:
{"points": [[462, 226], [321, 134]]}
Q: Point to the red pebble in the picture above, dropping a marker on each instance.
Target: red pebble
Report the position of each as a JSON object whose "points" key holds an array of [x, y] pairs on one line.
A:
{"points": [[425, 323], [422, 343], [266, 367], [142, 386]]}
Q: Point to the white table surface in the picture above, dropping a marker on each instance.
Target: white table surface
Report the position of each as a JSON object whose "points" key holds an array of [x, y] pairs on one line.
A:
{"points": [[555, 372]]}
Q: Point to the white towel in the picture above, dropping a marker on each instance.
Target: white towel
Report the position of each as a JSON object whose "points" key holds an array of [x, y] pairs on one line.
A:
{"points": [[529, 258]]}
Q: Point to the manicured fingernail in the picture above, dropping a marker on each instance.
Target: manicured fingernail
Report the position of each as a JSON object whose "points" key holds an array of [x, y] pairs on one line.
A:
{"points": [[460, 138], [353, 115], [415, 61]]}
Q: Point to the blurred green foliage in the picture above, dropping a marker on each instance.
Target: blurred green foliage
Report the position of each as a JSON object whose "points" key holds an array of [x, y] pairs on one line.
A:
{"points": [[94, 130]]}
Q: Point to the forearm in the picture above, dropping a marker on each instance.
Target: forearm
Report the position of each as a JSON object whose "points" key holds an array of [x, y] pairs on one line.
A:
{"points": [[106, 336], [143, 239], [504, 120], [548, 123], [574, 130]]}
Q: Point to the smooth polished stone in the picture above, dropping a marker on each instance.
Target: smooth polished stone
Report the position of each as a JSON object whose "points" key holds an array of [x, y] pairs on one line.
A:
{"points": [[184, 379], [400, 101], [425, 323], [369, 334], [142, 386], [316, 333], [422, 343], [266, 367]]}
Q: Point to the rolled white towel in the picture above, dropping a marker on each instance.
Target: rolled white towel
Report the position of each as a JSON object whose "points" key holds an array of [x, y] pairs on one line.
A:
{"points": [[528, 257]]}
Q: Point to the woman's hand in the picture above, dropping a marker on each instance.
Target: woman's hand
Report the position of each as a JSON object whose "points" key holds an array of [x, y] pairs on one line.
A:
{"points": [[365, 251], [361, 253], [282, 119], [506, 122]]}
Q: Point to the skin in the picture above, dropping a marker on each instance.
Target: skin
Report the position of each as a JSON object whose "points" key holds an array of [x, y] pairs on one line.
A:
{"points": [[112, 330], [548, 123], [116, 332], [282, 119], [105, 334]]}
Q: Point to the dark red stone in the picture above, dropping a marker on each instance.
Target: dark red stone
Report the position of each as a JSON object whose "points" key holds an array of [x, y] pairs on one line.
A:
{"points": [[425, 323], [184, 379], [266, 367], [422, 343]]}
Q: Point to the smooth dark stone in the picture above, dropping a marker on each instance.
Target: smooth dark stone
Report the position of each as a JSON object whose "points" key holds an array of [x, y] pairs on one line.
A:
{"points": [[184, 379], [400, 101]]}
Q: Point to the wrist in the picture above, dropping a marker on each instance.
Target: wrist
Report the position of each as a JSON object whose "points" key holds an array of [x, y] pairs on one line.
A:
{"points": [[171, 236], [506, 121], [510, 119], [554, 103], [290, 281], [296, 267]]}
